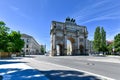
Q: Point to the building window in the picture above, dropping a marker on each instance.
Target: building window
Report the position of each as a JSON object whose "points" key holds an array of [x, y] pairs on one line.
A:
{"points": [[81, 30], [26, 50], [27, 40], [81, 40], [27, 46]]}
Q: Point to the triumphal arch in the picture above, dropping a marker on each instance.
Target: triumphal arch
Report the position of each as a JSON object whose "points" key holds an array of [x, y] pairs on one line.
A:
{"points": [[60, 32]]}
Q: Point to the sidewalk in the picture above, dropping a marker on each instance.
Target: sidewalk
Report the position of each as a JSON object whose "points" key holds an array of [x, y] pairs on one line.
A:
{"points": [[14, 69]]}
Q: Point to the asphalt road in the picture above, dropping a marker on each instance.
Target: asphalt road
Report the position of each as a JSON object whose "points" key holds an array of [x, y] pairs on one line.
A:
{"points": [[107, 69]]}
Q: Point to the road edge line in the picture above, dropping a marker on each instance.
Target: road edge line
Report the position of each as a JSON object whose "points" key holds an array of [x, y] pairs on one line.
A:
{"points": [[97, 75]]}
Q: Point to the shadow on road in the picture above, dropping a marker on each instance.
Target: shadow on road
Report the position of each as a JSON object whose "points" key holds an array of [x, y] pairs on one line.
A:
{"points": [[10, 62], [21, 74], [11, 58], [67, 75]]}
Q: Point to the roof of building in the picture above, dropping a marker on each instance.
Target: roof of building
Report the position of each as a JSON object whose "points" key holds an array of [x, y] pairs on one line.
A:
{"points": [[109, 42], [26, 35]]}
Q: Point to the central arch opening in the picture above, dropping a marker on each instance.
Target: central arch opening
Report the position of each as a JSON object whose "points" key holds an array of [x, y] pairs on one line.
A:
{"points": [[59, 50], [70, 42]]}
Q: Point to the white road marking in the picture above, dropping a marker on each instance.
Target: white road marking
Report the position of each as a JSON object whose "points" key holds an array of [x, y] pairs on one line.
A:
{"points": [[97, 75]]}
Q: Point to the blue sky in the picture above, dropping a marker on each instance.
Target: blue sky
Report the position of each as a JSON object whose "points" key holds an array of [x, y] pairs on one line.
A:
{"points": [[34, 17]]}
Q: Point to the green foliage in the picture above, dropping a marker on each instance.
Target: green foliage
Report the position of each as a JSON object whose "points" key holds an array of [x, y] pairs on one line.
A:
{"points": [[99, 43], [16, 42], [103, 46], [3, 36], [9, 42], [117, 42], [97, 39], [110, 47], [42, 49], [10, 46]]}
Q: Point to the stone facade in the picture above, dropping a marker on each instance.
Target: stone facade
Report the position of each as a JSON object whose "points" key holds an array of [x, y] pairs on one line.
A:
{"points": [[31, 46], [89, 47], [60, 32]]}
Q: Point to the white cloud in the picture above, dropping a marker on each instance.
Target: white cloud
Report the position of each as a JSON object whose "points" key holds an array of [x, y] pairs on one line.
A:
{"points": [[19, 12], [101, 18], [14, 8], [88, 10], [112, 33], [100, 3], [98, 11]]}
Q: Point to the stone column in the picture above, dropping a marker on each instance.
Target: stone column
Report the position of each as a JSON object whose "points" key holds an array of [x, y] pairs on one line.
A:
{"points": [[54, 45], [85, 45], [85, 35], [65, 45], [78, 51], [65, 41], [73, 49], [53, 33], [51, 46]]}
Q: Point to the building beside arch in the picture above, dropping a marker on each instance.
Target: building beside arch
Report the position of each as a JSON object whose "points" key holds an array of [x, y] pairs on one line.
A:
{"points": [[31, 46], [60, 32]]}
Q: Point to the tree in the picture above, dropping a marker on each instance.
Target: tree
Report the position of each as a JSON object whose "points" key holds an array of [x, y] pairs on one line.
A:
{"points": [[97, 39], [3, 36], [10, 47], [15, 43], [42, 49], [117, 43], [10, 42], [110, 47], [103, 46], [99, 43]]}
